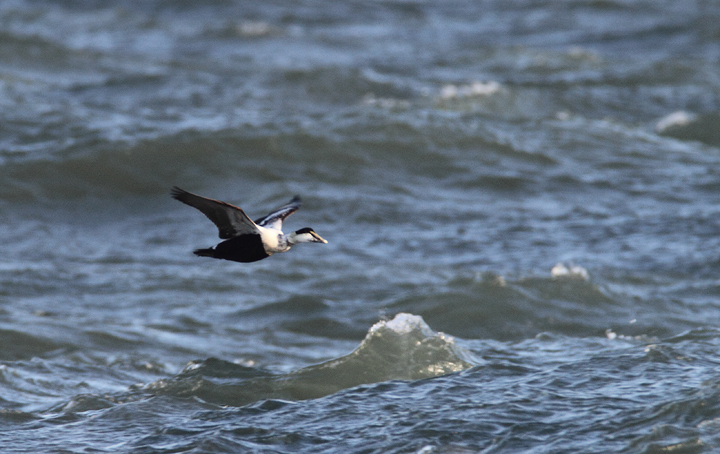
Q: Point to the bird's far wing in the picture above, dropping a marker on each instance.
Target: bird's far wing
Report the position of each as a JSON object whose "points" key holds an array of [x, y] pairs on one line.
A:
{"points": [[275, 219], [230, 220]]}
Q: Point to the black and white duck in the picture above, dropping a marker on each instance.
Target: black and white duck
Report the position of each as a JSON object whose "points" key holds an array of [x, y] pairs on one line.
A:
{"points": [[245, 240]]}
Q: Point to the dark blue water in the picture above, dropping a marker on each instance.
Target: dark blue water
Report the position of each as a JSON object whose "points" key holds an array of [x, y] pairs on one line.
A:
{"points": [[520, 201]]}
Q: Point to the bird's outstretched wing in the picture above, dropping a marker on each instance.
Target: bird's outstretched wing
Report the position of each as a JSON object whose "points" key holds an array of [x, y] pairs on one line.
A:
{"points": [[275, 219], [230, 220]]}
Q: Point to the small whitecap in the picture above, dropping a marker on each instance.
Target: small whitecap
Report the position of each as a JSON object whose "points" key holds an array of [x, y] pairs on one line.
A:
{"points": [[572, 271], [559, 270], [476, 88], [245, 362], [449, 92], [679, 118], [193, 365], [404, 323], [711, 423], [579, 271], [610, 334], [254, 29], [484, 88]]}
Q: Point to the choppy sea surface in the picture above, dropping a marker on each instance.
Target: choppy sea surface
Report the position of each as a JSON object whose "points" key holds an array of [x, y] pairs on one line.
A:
{"points": [[521, 201]]}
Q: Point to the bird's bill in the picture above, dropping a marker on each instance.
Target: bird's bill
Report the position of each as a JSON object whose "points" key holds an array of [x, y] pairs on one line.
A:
{"points": [[317, 238]]}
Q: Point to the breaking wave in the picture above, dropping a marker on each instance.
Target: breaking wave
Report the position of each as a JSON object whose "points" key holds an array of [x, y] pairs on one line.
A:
{"points": [[404, 348]]}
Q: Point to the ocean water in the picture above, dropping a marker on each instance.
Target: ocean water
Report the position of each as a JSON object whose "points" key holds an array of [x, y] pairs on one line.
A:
{"points": [[521, 202]]}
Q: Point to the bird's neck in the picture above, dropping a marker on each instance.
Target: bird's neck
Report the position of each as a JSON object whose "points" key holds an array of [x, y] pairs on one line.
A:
{"points": [[284, 241], [290, 239]]}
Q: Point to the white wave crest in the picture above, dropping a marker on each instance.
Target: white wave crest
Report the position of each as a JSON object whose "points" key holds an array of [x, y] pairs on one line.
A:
{"points": [[560, 270]]}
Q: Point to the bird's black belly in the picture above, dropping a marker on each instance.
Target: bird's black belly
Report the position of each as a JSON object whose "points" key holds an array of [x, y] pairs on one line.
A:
{"points": [[243, 248]]}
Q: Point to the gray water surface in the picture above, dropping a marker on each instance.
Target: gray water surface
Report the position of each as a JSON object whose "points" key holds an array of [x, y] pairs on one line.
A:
{"points": [[520, 200]]}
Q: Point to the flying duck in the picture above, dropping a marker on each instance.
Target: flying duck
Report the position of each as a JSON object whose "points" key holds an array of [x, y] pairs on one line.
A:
{"points": [[245, 240]]}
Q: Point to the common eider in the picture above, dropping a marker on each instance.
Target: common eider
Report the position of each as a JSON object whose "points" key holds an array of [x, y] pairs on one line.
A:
{"points": [[245, 240]]}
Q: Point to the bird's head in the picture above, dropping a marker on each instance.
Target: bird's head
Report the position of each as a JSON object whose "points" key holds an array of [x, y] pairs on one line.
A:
{"points": [[306, 235]]}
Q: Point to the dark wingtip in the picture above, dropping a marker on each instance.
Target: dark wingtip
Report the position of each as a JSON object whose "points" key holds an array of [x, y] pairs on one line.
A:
{"points": [[176, 193]]}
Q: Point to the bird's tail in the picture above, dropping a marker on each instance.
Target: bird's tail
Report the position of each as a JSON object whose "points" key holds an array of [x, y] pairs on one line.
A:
{"points": [[209, 252]]}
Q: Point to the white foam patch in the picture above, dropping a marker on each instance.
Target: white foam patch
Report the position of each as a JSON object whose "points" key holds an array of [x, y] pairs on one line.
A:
{"points": [[451, 91], [679, 118], [572, 271], [404, 323]]}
